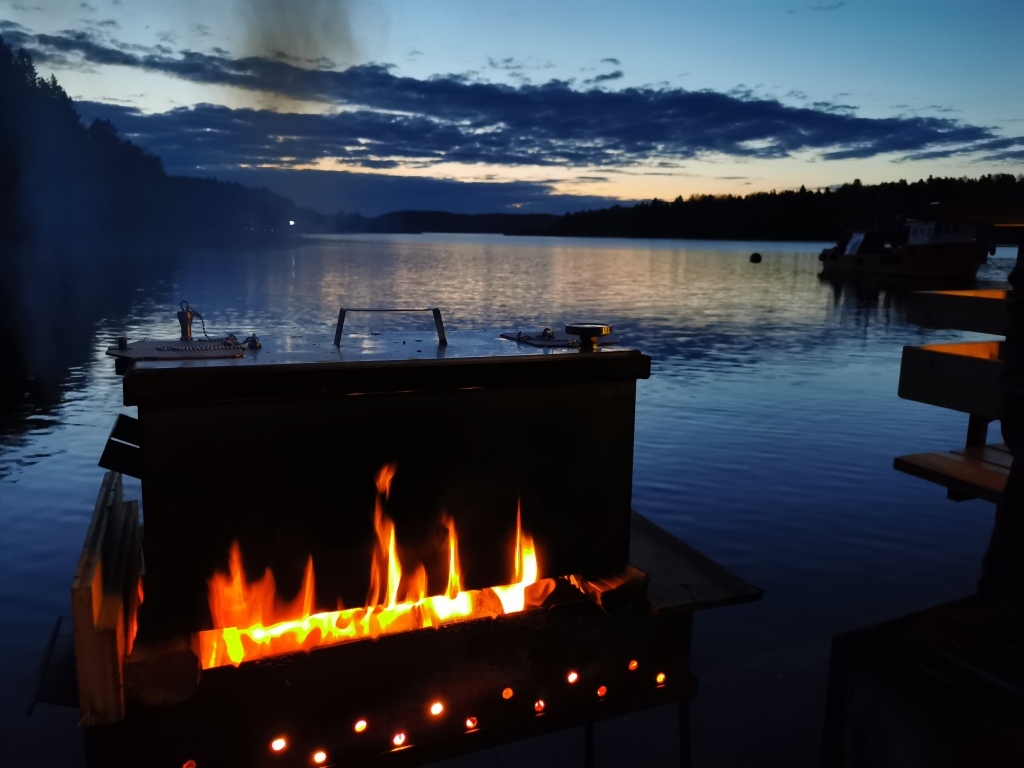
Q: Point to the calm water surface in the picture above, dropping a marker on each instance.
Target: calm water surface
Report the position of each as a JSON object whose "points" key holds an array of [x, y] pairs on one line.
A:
{"points": [[764, 437]]}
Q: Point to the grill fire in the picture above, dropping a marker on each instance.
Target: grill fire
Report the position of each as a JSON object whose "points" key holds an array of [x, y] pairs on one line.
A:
{"points": [[499, 589], [250, 621]]}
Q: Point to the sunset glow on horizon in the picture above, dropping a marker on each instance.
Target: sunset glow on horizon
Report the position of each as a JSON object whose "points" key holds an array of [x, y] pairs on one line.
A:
{"points": [[540, 108]]}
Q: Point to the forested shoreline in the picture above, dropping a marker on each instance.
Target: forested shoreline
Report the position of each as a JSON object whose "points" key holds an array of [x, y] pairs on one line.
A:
{"points": [[83, 211], [820, 215]]}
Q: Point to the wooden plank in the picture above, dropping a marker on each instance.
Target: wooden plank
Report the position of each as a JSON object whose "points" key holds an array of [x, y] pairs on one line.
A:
{"points": [[987, 454], [961, 377], [99, 691], [977, 311], [682, 579], [110, 560], [956, 472]]}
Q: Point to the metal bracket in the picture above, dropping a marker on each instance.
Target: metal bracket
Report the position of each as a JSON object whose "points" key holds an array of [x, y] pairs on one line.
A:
{"points": [[442, 339]]}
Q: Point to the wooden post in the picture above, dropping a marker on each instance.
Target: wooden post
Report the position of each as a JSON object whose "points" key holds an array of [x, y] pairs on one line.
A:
{"points": [[977, 431], [684, 733]]}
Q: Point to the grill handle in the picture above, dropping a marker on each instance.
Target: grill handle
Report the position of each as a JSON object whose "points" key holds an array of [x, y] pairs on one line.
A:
{"points": [[442, 339]]}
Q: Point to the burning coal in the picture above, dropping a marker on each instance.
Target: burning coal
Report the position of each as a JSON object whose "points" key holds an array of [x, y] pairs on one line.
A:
{"points": [[252, 623]]}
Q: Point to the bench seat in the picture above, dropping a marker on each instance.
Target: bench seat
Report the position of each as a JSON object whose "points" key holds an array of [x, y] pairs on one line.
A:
{"points": [[978, 472]]}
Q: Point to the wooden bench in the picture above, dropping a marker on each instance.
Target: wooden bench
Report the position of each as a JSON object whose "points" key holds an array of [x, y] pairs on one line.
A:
{"points": [[978, 472], [962, 377]]}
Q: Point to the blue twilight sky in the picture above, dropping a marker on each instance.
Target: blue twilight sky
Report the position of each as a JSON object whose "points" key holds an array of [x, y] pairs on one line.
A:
{"points": [[542, 106]]}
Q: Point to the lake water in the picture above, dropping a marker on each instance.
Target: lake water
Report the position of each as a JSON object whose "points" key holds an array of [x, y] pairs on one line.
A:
{"points": [[764, 438]]}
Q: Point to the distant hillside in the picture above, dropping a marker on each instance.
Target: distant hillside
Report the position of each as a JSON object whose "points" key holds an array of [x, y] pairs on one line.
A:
{"points": [[789, 215], [64, 183], [412, 222]]}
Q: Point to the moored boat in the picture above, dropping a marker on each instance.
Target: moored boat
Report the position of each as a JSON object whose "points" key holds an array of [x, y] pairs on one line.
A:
{"points": [[917, 249]]}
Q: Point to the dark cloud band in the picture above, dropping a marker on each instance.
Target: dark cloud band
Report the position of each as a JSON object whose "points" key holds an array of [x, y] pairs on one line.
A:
{"points": [[387, 120]]}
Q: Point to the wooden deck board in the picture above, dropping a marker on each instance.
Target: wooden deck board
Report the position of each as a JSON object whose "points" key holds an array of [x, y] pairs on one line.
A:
{"points": [[976, 472], [682, 579], [987, 454]]}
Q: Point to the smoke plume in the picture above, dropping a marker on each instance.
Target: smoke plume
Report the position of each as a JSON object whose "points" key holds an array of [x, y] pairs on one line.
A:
{"points": [[308, 33]]}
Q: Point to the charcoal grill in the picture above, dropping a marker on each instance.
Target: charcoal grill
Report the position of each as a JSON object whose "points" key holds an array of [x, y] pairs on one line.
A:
{"points": [[277, 449]]}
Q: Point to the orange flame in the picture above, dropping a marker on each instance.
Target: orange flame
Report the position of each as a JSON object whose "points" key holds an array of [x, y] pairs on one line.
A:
{"points": [[252, 623], [133, 616]]}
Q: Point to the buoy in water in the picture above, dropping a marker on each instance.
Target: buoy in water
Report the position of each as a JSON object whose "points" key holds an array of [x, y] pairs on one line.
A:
{"points": [[755, 258]]}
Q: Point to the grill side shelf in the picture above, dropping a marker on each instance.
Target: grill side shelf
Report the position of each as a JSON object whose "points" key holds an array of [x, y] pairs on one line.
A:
{"points": [[681, 578]]}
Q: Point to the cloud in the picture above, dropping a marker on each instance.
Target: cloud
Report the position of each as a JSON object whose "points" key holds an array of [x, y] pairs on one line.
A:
{"points": [[829, 7], [1001, 149], [828, 106], [383, 119], [613, 62], [510, 64], [616, 75]]}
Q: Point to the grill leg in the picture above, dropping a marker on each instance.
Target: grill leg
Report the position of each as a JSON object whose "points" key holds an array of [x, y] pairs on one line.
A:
{"points": [[588, 745], [684, 733]]}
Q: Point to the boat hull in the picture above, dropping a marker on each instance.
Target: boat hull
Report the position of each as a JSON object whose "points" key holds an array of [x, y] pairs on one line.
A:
{"points": [[943, 260]]}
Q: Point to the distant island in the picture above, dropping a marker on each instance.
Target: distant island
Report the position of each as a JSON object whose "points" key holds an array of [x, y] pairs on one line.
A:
{"points": [[820, 215]]}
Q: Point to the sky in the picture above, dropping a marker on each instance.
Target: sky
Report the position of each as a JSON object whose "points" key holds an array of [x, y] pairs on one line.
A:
{"points": [[372, 106]]}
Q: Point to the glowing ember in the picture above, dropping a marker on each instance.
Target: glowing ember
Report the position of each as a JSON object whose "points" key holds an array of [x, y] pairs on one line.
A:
{"points": [[660, 679], [507, 694], [471, 722], [538, 705], [278, 744], [399, 739], [251, 622], [436, 708], [633, 666], [601, 692], [572, 678], [360, 726], [319, 757]]}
